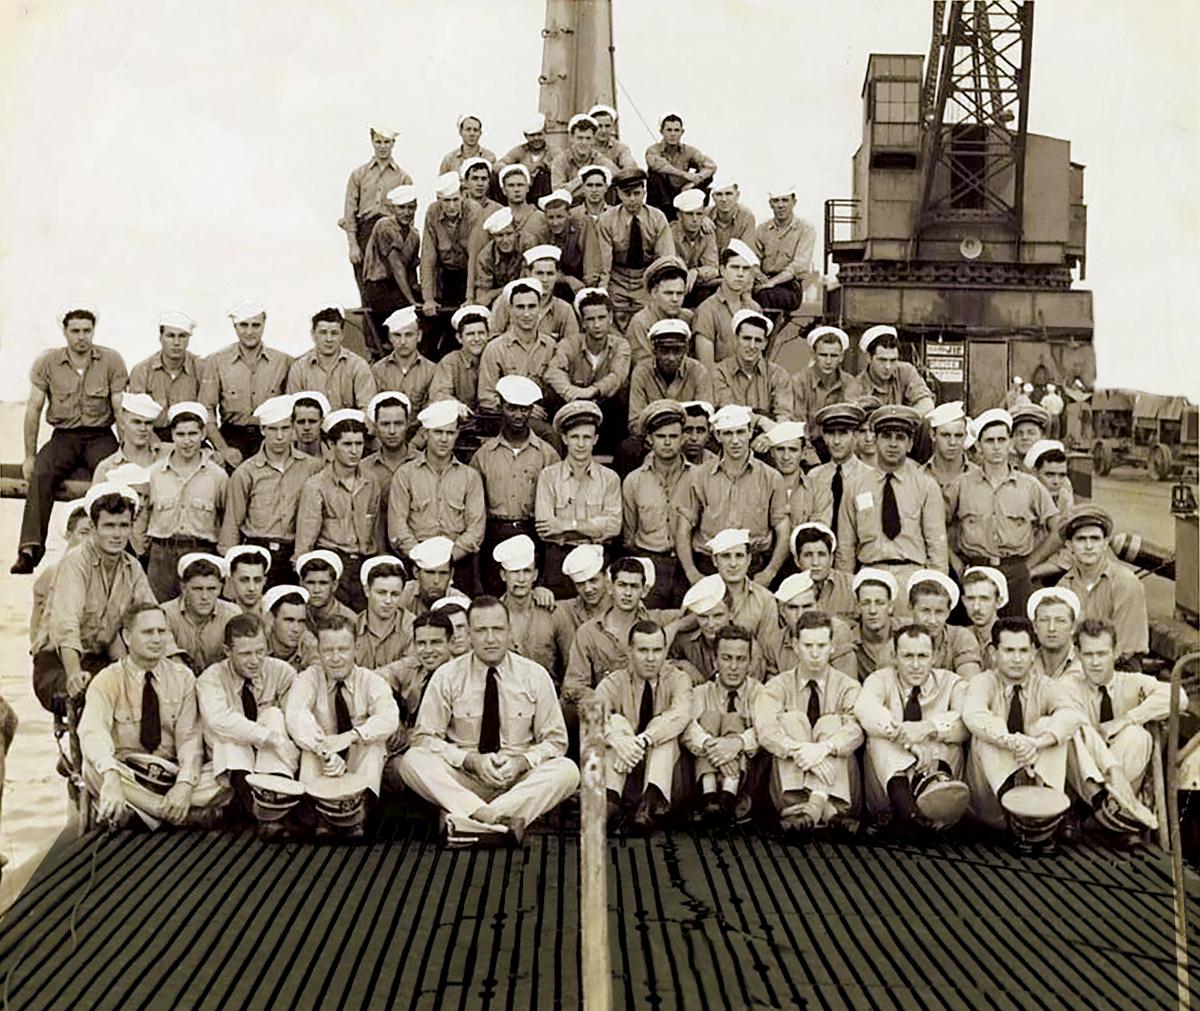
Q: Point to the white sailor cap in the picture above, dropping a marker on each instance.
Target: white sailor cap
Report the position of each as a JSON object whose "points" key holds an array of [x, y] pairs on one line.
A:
{"points": [[69, 307], [133, 475], [795, 584], [971, 436], [188, 560], [827, 535], [583, 293], [371, 564], [535, 124], [461, 599], [993, 416], [522, 282], [330, 558], [689, 200], [690, 407], [103, 488], [386, 132], [556, 197], [401, 318], [520, 391], [545, 251], [497, 221], [785, 432], [945, 414], [246, 309], [442, 414], [1053, 595], [463, 117], [316, 397], [781, 190], [1040, 449], [933, 576], [1017, 380], [599, 107], [732, 416], [188, 407], [469, 163], [648, 570], [751, 316], [583, 562], [508, 170], [995, 577], [176, 320], [727, 539], [276, 593], [387, 397], [670, 327], [140, 405], [514, 553], [872, 575], [816, 333], [604, 170], [470, 310], [402, 195], [704, 594], [433, 553], [581, 118], [872, 334], [1027, 388], [340, 415], [273, 410], [723, 183], [448, 185], [241, 550], [744, 251]]}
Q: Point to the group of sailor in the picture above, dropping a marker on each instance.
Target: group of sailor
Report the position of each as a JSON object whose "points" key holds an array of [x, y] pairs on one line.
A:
{"points": [[799, 594]]}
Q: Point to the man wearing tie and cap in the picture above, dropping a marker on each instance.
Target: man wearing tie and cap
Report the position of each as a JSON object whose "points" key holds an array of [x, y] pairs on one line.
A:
{"points": [[489, 745], [140, 732], [237, 379], [172, 374], [838, 424]]}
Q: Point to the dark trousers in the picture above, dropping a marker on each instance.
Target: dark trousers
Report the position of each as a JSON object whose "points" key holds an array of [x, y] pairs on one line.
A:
{"points": [[615, 425], [50, 678], [281, 570], [162, 570], [553, 579], [246, 439], [350, 588], [68, 449], [501, 530], [380, 300], [700, 291], [781, 297], [670, 581]]}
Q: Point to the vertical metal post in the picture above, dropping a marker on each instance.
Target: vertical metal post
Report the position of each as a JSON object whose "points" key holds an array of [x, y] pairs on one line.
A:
{"points": [[593, 862], [1181, 955]]}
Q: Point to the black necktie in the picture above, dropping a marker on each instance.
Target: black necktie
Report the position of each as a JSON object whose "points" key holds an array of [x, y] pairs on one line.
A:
{"points": [[731, 705], [249, 706], [489, 725], [912, 708], [646, 709], [891, 509], [837, 494], [814, 704], [151, 720], [341, 713], [1106, 712], [636, 257], [1016, 713]]}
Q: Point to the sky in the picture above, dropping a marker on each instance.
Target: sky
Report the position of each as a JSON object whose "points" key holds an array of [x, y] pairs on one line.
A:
{"points": [[170, 155]]}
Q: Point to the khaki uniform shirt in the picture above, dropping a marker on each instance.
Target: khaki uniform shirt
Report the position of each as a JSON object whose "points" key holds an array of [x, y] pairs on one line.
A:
{"points": [[1045, 702], [151, 376], [237, 383], [445, 243], [812, 394], [75, 400], [648, 518], [698, 251], [423, 503], [339, 513], [219, 695], [714, 320], [1118, 597], [456, 376], [204, 643], [905, 387], [573, 369], [766, 389], [997, 521], [741, 226], [510, 474], [366, 188], [412, 380], [349, 383], [788, 692], [374, 650], [646, 384], [311, 717], [261, 499], [621, 693], [786, 249], [506, 355], [922, 537], [185, 506], [713, 499], [592, 502]]}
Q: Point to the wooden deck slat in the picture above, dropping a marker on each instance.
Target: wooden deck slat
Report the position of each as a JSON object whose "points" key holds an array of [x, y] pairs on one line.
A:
{"points": [[697, 920]]}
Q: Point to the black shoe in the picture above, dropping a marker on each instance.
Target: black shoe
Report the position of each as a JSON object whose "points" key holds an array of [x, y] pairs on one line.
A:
{"points": [[26, 562]]}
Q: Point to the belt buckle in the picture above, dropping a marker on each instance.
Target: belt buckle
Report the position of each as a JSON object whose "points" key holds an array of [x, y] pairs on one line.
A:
{"points": [[274, 546]]}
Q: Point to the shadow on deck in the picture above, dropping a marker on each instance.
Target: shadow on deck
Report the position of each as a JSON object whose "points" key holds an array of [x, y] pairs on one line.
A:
{"points": [[723, 921]]}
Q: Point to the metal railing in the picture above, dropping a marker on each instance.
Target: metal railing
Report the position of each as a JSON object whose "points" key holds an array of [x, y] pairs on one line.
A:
{"points": [[841, 221]]}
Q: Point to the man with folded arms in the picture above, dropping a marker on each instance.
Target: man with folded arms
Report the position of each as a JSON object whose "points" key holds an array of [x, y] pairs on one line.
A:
{"points": [[489, 743]]}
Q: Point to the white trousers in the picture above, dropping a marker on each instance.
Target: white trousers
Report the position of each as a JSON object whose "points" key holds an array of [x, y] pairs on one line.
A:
{"points": [[363, 759], [459, 793], [209, 794], [1090, 757], [788, 777], [234, 756]]}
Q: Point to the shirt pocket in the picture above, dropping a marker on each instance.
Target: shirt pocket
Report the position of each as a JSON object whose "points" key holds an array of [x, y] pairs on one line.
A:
{"points": [[466, 719]]}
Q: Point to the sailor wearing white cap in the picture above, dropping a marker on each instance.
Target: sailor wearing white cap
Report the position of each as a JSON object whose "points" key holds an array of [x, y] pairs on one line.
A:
{"points": [[607, 142], [341, 375], [470, 129], [804, 718], [911, 714], [1001, 516], [984, 592], [734, 491], [713, 323], [198, 615], [886, 376], [663, 369], [1055, 612], [383, 631], [584, 567], [948, 422], [555, 317], [341, 715], [365, 191], [500, 772], [238, 378], [580, 152], [812, 546], [566, 232], [241, 699], [319, 573], [433, 574], [515, 183], [696, 244], [747, 377], [457, 374], [436, 494], [496, 259], [1047, 459], [404, 369], [339, 507], [138, 446], [309, 408], [533, 154], [751, 604], [389, 267], [675, 167], [931, 596], [247, 566], [532, 625], [1020, 722], [285, 613], [594, 183], [172, 373], [824, 381], [786, 244]]}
